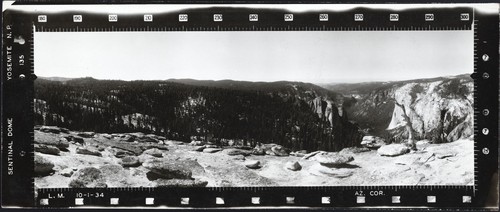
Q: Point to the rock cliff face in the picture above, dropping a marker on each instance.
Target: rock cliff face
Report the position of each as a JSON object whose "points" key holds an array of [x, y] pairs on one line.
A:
{"points": [[438, 109], [293, 114]]}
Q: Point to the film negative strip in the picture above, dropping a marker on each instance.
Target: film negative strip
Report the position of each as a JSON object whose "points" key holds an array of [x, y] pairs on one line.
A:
{"points": [[317, 105]]}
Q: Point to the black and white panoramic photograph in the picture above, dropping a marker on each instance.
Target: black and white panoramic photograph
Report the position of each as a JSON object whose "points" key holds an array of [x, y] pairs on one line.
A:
{"points": [[253, 108]]}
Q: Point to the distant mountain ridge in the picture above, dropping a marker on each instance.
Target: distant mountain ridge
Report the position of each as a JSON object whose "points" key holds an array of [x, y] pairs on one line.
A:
{"points": [[366, 87]]}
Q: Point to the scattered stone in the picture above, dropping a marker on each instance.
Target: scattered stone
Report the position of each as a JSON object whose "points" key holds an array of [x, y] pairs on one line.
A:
{"points": [[237, 152], [354, 150], [180, 183], [130, 161], [199, 149], [393, 150], [86, 134], [51, 150], [332, 159], [154, 152], [294, 166], [252, 164], [161, 143], [319, 170], [372, 142], [43, 166], [85, 151], [211, 150], [280, 151], [88, 177], [168, 169], [67, 172]]}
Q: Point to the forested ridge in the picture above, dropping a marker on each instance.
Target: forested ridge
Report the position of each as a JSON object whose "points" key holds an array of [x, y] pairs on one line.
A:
{"points": [[293, 114]]}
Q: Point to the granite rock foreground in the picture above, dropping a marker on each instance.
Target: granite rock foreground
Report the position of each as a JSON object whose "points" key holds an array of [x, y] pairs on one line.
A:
{"points": [[137, 159]]}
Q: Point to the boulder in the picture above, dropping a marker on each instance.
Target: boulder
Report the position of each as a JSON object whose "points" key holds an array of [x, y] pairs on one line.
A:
{"points": [[121, 153], [108, 136], [77, 139], [312, 154], [43, 166], [252, 164], [332, 159], [129, 147], [152, 136], [393, 150], [293, 165], [86, 134], [158, 146], [146, 140], [51, 150], [154, 152], [53, 129], [52, 140], [88, 177], [237, 152], [180, 183], [67, 172], [168, 169], [130, 161], [238, 157], [199, 148], [258, 151], [211, 146], [320, 170], [242, 147], [372, 142], [115, 175], [86, 151], [211, 150], [197, 143], [137, 134], [173, 143], [127, 138], [280, 151]]}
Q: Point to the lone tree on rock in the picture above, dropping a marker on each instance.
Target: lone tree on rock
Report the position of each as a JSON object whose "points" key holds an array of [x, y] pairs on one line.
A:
{"points": [[409, 128]]}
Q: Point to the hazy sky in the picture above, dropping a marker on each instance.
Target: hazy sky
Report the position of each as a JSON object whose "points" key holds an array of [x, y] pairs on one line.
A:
{"points": [[313, 56]]}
